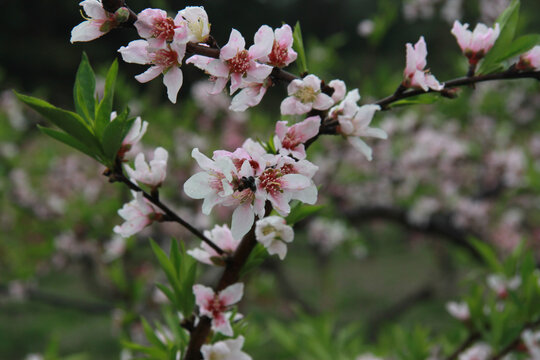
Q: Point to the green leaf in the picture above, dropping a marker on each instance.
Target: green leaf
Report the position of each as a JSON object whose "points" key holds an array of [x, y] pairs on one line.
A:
{"points": [[256, 258], [301, 211], [298, 46], [151, 336], [507, 22], [188, 297], [68, 140], [84, 89], [519, 46], [488, 254], [70, 122], [104, 109], [114, 134], [428, 98]]}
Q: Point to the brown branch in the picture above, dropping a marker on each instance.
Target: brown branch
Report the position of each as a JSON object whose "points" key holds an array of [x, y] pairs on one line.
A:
{"points": [[516, 342], [454, 83], [464, 345]]}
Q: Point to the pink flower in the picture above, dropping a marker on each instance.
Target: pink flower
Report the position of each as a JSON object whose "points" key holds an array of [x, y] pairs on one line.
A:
{"points": [[222, 237], [280, 52], [477, 43], [214, 305], [99, 22], [282, 182], [151, 174], [235, 62], [354, 122], [225, 350], [459, 310], [155, 26], [197, 23], [136, 132], [290, 140], [530, 60], [274, 233], [138, 214], [415, 75], [305, 94], [165, 60]]}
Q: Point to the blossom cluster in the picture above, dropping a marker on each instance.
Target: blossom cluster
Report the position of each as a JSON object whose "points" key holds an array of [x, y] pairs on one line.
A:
{"points": [[247, 178]]}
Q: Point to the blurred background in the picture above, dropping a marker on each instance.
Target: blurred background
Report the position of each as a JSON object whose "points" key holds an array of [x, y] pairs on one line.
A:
{"points": [[390, 245]]}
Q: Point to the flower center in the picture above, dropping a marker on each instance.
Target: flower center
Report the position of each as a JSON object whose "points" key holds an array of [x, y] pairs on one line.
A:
{"points": [[216, 306], [165, 58], [164, 29], [289, 142], [278, 56], [306, 95], [269, 181], [197, 28], [240, 63]]}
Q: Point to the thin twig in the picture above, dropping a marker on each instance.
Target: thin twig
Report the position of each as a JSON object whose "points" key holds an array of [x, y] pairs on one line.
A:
{"points": [[154, 199]]}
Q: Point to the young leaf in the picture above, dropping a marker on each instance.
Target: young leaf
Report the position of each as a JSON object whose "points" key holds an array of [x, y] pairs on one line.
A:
{"points": [[68, 121], [104, 109], [114, 134], [298, 46], [68, 140], [301, 211], [488, 254], [507, 22], [519, 46], [84, 89], [428, 98]]}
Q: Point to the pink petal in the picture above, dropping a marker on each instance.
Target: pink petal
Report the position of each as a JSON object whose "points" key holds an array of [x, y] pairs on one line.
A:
{"points": [[284, 36], [173, 81], [236, 43], [151, 73], [197, 186], [323, 102], [94, 9], [292, 106], [221, 324], [232, 294], [263, 42], [86, 31], [281, 129], [242, 220], [136, 52], [203, 296]]}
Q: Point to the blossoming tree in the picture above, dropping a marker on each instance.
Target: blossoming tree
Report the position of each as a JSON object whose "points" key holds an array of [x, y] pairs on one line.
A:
{"points": [[269, 185]]}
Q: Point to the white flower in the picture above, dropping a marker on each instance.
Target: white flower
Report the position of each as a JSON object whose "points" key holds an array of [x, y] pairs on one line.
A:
{"points": [[478, 351], [459, 310], [532, 342], [274, 233], [98, 23], [500, 284], [305, 94], [197, 23], [151, 174], [225, 350], [415, 74], [134, 135], [354, 122]]}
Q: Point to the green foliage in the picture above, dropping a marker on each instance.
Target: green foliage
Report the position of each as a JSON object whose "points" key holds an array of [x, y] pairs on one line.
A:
{"points": [[506, 46], [410, 344], [180, 270], [298, 46], [316, 338], [300, 211], [89, 129], [428, 98]]}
